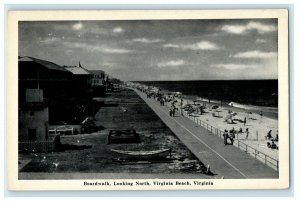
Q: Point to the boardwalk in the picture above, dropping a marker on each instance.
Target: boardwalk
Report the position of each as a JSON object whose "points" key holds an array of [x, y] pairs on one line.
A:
{"points": [[224, 161]]}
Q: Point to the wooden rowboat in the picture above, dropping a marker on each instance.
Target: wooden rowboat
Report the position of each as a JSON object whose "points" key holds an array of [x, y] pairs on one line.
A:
{"points": [[162, 153]]}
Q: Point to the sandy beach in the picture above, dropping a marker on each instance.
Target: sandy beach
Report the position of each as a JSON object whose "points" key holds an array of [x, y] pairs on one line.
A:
{"points": [[258, 126]]}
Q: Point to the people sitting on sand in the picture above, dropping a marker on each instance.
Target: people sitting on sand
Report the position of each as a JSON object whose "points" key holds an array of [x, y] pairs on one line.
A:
{"points": [[241, 130], [272, 145], [225, 135]]}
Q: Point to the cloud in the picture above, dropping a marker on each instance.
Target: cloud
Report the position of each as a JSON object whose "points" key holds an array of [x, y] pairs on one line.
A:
{"points": [[259, 41], [146, 40], [113, 50], [202, 45], [242, 29], [96, 47], [118, 30], [233, 66], [77, 26], [171, 63], [171, 45], [261, 28], [49, 40], [256, 54], [234, 29]]}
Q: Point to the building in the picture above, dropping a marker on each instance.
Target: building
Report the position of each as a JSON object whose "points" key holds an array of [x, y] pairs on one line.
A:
{"points": [[113, 84], [54, 80], [81, 79], [33, 117], [98, 77], [99, 80]]}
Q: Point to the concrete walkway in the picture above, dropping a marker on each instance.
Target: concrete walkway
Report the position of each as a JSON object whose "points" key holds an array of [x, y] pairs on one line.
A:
{"points": [[224, 161]]}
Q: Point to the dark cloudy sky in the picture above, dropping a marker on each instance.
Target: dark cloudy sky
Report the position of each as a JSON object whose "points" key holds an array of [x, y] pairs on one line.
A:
{"points": [[158, 50]]}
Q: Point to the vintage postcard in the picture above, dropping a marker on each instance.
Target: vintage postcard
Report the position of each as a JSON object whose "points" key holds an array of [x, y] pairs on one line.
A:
{"points": [[148, 100]]}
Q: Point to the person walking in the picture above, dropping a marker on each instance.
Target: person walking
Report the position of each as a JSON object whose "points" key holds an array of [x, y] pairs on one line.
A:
{"points": [[245, 120], [232, 135], [173, 111], [269, 135], [225, 135], [247, 133]]}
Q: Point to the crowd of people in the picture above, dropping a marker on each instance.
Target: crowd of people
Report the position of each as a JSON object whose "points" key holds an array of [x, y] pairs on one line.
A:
{"points": [[162, 99], [228, 135]]}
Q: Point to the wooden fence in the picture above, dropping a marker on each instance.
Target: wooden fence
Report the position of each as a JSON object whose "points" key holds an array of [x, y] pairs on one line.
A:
{"points": [[39, 146]]}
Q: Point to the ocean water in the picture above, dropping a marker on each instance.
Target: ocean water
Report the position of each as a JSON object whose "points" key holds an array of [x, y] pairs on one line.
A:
{"points": [[252, 92]]}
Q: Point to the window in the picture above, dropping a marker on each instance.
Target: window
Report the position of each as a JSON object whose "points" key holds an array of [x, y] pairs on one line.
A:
{"points": [[32, 134]]}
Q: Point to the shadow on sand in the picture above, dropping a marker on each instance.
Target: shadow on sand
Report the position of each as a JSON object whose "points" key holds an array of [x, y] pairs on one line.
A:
{"points": [[68, 147]]}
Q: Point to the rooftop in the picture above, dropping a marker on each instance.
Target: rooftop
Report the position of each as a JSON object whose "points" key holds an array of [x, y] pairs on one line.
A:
{"points": [[47, 64], [96, 72], [77, 70]]}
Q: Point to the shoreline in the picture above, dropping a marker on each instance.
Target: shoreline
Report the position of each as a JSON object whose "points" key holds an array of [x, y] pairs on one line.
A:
{"points": [[268, 111]]}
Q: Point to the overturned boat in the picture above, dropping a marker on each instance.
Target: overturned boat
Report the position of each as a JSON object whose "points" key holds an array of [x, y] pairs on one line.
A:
{"points": [[154, 154]]}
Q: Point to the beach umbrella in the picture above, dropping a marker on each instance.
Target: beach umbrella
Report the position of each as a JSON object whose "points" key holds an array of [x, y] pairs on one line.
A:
{"points": [[214, 107]]}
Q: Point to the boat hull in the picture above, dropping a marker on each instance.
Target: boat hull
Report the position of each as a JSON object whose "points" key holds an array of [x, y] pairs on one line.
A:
{"points": [[143, 155]]}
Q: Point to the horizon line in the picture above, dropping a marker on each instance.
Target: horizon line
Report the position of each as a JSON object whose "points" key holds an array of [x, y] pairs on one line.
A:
{"points": [[197, 80]]}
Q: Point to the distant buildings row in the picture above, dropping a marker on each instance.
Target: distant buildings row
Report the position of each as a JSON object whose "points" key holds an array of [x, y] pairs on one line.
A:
{"points": [[49, 93]]}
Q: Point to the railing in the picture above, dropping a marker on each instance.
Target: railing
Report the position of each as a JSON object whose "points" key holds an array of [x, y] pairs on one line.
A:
{"points": [[268, 160]]}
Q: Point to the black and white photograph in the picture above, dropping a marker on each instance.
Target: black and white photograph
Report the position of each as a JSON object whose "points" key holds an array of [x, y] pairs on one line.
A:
{"points": [[179, 103]]}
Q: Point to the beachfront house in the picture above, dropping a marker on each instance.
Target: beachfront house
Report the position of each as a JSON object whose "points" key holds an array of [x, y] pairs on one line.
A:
{"points": [[98, 82], [35, 73], [54, 80], [98, 77]]}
